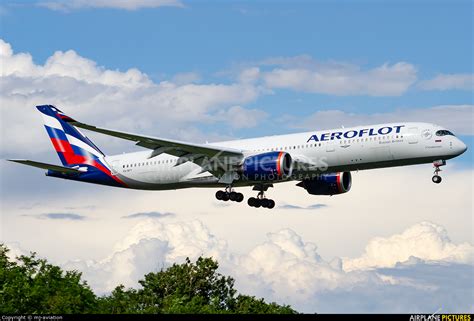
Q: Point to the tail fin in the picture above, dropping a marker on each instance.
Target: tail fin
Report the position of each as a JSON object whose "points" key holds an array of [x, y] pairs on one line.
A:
{"points": [[73, 147]]}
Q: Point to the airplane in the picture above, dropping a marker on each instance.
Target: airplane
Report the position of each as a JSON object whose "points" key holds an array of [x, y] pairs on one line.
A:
{"points": [[320, 161]]}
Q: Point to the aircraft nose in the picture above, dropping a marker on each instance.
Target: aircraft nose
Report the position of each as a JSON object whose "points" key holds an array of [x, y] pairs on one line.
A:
{"points": [[461, 147]]}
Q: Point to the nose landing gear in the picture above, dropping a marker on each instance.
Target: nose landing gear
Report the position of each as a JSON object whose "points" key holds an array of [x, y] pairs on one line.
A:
{"points": [[437, 164], [436, 179]]}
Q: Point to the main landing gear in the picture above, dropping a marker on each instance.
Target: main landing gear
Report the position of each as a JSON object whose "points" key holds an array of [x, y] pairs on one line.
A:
{"points": [[261, 200], [437, 164], [229, 195]]}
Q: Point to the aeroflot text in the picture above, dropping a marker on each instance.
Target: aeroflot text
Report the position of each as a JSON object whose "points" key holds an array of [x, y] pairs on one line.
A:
{"points": [[356, 133]]}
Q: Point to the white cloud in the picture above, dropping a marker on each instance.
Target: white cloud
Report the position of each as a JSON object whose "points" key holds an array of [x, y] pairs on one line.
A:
{"points": [[426, 241], [288, 269], [127, 266], [239, 117], [249, 75], [302, 74], [150, 245], [126, 100], [284, 265], [68, 5], [458, 118], [449, 82], [15, 251], [68, 65]]}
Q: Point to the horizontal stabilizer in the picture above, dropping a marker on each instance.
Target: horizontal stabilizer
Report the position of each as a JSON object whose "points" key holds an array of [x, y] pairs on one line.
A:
{"points": [[66, 170]]}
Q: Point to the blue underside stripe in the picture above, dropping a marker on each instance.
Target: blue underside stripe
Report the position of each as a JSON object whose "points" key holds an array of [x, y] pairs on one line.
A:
{"points": [[93, 175]]}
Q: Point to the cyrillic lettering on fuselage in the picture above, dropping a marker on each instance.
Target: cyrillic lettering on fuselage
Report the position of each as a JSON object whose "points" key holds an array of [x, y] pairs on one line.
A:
{"points": [[365, 132]]}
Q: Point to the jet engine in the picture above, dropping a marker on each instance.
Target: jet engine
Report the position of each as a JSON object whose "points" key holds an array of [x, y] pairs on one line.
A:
{"points": [[269, 166], [328, 184]]}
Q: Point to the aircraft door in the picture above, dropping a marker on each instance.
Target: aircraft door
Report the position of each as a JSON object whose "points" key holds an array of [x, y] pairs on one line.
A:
{"points": [[330, 146], [331, 155], [412, 135], [115, 166]]}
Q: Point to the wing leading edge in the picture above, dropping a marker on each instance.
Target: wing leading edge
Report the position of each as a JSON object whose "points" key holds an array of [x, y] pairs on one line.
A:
{"points": [[206, 156]]}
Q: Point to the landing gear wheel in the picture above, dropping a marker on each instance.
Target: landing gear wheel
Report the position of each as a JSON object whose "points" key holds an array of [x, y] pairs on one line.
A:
{"points": [[271, 204], [233, 196], [261, 200], [436, 179], [226, 197], [220, 195], [229, 195], [251, 201], [254, 202], [264, 202], [257, 203]]}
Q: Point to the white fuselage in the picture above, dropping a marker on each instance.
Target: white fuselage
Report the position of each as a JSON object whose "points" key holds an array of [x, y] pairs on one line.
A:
{"points": [[343, 149]]}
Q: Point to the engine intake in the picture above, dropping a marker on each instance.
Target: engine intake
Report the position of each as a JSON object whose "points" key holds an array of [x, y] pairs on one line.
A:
{"points": [[328, 184], [269, 166]]}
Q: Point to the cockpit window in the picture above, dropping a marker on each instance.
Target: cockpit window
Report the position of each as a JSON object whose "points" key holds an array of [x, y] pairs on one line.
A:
{"points": [[444, 132]]}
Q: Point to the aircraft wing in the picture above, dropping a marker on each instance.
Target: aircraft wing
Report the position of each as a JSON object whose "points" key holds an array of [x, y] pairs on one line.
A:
{"points": [[203, 155], [66, 170]]}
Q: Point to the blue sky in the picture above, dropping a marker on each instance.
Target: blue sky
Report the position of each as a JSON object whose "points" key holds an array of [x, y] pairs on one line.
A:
{"points": [[196, 71], [209, 36], [215, 40]]}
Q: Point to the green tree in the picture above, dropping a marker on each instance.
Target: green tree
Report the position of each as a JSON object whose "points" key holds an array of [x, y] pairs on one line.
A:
{"points": [[32, 285], [187, 288], [251, 305]]}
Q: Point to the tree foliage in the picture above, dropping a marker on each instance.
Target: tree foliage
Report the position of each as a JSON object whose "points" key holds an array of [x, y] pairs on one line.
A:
{"points": [[32, 285]]}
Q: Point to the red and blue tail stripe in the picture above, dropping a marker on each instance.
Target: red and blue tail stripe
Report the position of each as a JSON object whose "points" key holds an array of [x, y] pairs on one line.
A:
{"points": [[75, 149]]}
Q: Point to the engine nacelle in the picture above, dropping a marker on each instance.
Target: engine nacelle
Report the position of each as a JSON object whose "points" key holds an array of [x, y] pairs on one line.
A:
{"points": [[328, 184], [269, 166]]}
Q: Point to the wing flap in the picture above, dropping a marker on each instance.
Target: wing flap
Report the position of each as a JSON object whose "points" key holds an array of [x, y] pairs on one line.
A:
{"points": [[61, 169]]}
